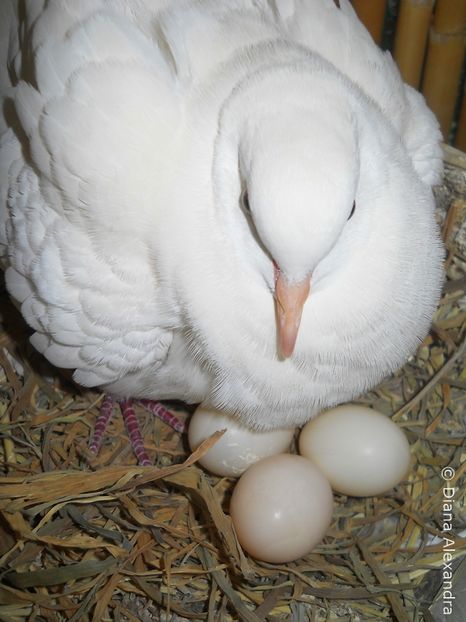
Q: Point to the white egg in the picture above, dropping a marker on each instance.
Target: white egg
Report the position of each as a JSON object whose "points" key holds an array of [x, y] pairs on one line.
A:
{"points": [[281, 508], [239, 447], [359, 450]]}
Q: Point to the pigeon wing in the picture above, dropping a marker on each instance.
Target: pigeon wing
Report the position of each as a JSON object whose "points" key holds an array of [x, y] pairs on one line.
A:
{"points": [[97, 105]]}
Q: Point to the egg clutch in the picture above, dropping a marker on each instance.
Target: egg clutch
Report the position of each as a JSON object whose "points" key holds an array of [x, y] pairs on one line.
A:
{"points": [[282, 505]]}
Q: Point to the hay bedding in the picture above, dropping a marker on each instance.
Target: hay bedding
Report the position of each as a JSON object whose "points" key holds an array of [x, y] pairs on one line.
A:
{"points": [[94, 539]]}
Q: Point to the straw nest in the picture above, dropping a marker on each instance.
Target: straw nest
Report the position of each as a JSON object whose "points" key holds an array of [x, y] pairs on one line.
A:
{"points": [[86, 539]]}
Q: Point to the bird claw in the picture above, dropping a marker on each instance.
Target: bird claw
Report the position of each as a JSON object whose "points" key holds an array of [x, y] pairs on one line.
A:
{"points": [[131, 423], [157, 409]]}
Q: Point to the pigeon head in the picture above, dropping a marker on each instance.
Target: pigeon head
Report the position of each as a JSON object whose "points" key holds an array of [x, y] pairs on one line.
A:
{"points": [[299, 168]]}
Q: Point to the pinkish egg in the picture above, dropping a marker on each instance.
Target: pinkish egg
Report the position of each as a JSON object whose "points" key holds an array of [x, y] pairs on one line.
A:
{"points": [[281, 508]]}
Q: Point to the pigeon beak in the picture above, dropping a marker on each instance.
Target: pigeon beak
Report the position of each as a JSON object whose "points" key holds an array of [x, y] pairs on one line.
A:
{"points": [[289, 303]]}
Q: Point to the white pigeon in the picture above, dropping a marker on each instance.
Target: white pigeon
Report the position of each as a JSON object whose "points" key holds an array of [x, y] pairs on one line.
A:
{"points": [[220, 202]]}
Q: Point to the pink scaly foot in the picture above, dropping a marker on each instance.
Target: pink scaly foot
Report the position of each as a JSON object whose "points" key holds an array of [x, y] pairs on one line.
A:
{"points": [[160, 411], [134, 432], [131, 423], [106, 412]]}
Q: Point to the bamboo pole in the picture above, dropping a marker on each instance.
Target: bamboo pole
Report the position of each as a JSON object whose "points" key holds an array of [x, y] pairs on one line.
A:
{"points": [[410, 38], [372, 15], [447, 44], [450, 16]]}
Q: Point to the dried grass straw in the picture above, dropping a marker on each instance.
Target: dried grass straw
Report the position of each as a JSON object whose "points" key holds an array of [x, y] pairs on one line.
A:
{"points": [[108, 540]]}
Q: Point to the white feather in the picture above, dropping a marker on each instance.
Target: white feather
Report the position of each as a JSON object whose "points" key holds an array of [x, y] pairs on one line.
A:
{"points": [[137, 125]]}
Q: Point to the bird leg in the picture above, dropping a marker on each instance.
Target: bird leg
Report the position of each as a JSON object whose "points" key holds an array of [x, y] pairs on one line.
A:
{"points": [[134, 433], [106, 412], [157, 409], [131, 423]]}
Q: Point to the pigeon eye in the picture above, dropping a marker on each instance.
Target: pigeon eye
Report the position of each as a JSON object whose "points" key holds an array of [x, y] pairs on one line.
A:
{"points": [[245, 201], [352, 210]]}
